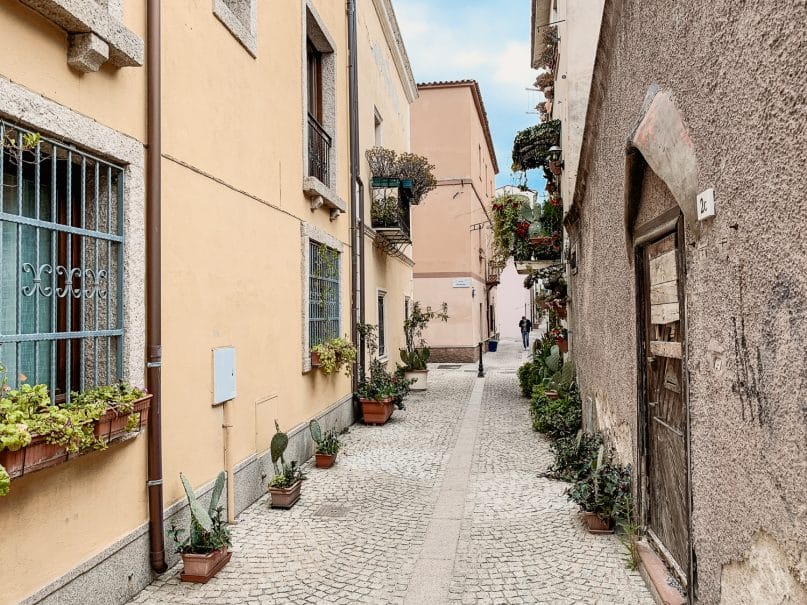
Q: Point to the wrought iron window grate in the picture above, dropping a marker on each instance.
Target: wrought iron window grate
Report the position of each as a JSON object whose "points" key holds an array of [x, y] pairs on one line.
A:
{"points": [[323, 298], [61, 264]]}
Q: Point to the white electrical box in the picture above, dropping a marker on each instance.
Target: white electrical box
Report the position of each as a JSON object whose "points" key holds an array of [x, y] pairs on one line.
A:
{"points": [[706, 204], [223, 374]]}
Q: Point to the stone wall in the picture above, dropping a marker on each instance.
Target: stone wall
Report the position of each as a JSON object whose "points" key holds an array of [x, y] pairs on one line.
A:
{"points": [[736, 75]]}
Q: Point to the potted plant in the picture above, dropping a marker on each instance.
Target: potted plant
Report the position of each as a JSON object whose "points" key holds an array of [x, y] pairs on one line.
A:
{"points": [[284, 487], [334, 355], [601, 493], [36, 433], [561, 338], [378, 391], [416, 354], [205, 550], [328, 445]]}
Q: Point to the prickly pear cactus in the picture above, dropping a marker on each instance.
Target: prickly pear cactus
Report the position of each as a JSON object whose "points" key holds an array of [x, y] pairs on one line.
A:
{"points": [[278, 446], [216, 496], [316, 431], [198, 512]]}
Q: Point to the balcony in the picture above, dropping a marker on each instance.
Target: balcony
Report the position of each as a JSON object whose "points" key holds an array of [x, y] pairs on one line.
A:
{"points": [[319, 151], [389, 213], [317, 185]]}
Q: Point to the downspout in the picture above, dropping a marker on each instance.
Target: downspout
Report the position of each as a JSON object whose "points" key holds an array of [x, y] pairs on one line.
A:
{"points": [[153, 289], [356, 198]]}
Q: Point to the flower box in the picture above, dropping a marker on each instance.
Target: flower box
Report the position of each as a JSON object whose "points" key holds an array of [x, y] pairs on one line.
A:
{"points": [[39, 454], [33, 457], [376, 411], [285, 497], [200, 568], [325, 460], [113, 423]]}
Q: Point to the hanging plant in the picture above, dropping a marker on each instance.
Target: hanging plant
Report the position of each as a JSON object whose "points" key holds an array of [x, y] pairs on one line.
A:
{"points": [[531, 145]]}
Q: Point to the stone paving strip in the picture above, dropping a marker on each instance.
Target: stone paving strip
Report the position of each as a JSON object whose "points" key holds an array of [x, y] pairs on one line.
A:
{"points": [[441, 505]]}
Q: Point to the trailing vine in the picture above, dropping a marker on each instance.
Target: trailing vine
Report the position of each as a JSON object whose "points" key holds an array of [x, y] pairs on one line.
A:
{"points": [[531, 145]]}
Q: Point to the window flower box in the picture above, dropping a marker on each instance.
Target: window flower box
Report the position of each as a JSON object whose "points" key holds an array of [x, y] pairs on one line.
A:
{"points": [[113, 423]]}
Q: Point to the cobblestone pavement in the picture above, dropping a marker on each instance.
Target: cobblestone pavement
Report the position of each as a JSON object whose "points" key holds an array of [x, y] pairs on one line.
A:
{"points": [[369, 530]]}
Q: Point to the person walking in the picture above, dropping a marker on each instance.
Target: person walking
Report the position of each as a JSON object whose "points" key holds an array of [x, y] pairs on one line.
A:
{"points": [[525, 325]]}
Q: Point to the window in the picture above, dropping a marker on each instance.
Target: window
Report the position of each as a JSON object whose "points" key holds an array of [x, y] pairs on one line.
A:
{"points": [[241, 18], [61, 264], [382, 336], [323, 293], [377, 120], [320, 95]]}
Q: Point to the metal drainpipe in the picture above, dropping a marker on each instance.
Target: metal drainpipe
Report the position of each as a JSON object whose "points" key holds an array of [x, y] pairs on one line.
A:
{"points": [[153, 288], [356, 198]]}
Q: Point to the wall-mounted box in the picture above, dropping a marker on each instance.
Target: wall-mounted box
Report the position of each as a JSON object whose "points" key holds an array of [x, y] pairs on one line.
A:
{"points": [[223, 375]]}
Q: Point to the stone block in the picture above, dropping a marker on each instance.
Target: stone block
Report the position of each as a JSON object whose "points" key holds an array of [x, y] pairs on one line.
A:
{"points": [[87, 52]]}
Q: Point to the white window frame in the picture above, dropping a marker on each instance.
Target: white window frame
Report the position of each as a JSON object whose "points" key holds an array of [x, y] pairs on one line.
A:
{"points": [[381, 323]]}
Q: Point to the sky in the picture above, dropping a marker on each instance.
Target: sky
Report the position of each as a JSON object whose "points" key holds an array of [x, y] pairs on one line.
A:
{"points": [[483, 40]]}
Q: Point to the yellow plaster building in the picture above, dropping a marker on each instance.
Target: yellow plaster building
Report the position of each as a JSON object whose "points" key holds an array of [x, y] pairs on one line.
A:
{"points": [[255, 186]]}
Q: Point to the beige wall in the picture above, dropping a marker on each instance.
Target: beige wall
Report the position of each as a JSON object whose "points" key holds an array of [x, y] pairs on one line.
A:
{"points": [[233, 206], [382, 90], [452, 236]]}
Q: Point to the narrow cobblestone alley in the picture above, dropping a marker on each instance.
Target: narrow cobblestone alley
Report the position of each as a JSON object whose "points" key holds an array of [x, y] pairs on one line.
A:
{"points": [[441, 505]]}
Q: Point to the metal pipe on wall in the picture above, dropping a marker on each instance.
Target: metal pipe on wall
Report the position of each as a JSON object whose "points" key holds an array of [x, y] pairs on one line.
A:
{"points": [[153, 287], [357, 315]]}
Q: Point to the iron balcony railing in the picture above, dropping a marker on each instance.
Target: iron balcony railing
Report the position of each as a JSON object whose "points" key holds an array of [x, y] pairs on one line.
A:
{"points": [[319, 151], [390, 210]]}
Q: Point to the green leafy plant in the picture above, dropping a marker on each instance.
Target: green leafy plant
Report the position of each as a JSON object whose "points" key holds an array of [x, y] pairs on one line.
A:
{"points": [[378, 383], [328, 443], [556, 418], [289, 474], [628, 530], [416, 354], [336, 354], [387, 164], [531, 145], [604, 490], [208, 532], [573, 456], [28, 411]]}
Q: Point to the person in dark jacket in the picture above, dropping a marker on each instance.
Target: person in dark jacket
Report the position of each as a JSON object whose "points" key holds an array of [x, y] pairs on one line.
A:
{"points": [[525, 325]]}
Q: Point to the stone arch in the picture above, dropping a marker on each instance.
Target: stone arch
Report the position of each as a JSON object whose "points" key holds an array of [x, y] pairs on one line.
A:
{"points": [[661, 141]]}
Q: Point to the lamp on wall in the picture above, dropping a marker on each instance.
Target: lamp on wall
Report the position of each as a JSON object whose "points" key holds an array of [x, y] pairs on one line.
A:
{"points": [[554, 155]]}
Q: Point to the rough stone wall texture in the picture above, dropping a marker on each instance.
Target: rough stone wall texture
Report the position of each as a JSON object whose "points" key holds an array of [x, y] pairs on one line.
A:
{"points": [[736, 73]]}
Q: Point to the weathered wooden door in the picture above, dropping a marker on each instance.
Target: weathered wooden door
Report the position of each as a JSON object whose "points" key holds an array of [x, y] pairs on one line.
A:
{"points": [[665, 416]]}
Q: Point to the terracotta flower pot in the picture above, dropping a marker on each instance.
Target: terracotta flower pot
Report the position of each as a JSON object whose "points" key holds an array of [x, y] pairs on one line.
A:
{"points": [[285, 497], [112, 424], [315, 360], [596, 525], [553, 395], [35, 456], [200, 568], [421, 378], [563, 345], [376, 412], [325, 460]]}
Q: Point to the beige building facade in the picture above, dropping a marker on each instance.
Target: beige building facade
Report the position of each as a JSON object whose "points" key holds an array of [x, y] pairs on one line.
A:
{"points": [[452, 225], [687, 294], [255, 162]]}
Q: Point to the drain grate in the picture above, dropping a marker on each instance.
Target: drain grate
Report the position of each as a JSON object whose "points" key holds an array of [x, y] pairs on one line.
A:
{"points": [[332, 510], [449, 366]]}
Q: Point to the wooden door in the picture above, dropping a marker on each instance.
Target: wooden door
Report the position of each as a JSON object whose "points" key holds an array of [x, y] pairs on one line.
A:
{"points": [[665, 416]]}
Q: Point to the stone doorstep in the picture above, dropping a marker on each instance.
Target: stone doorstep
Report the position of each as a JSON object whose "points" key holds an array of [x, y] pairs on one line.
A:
{"points": [[655, 574]]}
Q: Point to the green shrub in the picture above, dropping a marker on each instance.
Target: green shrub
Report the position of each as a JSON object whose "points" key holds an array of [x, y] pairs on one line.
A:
{"points": [[573, 456], [556, 418], [529, 375], [605, 491]]}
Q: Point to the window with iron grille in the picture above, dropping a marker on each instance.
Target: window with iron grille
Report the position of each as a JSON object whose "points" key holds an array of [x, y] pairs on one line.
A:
{"points": [[61, 264], [323, 292]]}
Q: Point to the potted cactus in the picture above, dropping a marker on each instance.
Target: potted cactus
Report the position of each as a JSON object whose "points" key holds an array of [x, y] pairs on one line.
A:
{"points": [[328, 444], [284, 488], [205, 550]]}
